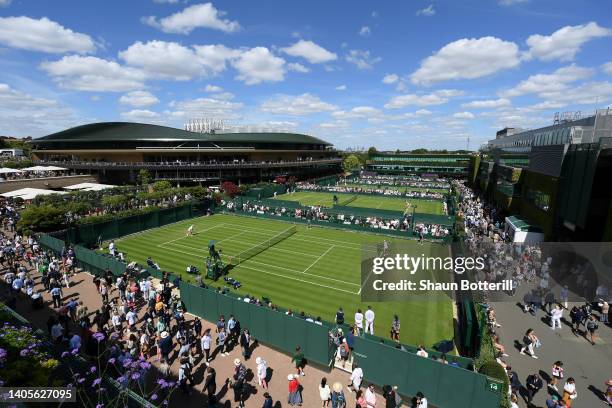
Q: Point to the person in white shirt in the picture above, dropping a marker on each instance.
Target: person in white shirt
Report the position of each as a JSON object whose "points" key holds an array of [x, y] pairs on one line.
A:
{"points": [[555, 317], [421, 400], [262, 372], [421, 352], [369, 318], [205, 343], [131, 317], [359, 321], [356, 377], [190, 231], [111, 248], [370, 396]]}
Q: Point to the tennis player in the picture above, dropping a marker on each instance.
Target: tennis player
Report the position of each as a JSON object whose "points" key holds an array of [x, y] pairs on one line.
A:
{"points": [[190, 231]]}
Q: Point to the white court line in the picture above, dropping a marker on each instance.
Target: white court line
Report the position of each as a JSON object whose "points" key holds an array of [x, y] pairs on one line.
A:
{"points": [[319, 258], [181, 237], [300, 280], [271, 266], [251, 243]]}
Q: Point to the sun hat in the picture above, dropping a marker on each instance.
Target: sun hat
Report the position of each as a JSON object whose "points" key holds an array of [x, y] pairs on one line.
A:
{"points": [[337, 387], [258, 360], [237, 362], [290, 377], [164, 334]]}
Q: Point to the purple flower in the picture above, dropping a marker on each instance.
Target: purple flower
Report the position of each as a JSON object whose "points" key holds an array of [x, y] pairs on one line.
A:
{"points": [[121, 379], [24, 352], [75, 351], [1, 383], [171, 384], [81, 380], [92, 369], [162, 383], [99, 405], [65, 354], [153, 397], [111, 360], [98, 336], [145, 366], [135, 376], [97, 381], [3, 353]]}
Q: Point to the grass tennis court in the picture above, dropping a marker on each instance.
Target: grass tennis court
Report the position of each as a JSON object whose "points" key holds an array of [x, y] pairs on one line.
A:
{"points": [[314, 270], [365, 201], [403, 189]]}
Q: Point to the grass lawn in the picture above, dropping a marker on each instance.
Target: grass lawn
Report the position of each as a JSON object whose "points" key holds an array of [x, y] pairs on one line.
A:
{"points": [[365, 201], [315, 270]]}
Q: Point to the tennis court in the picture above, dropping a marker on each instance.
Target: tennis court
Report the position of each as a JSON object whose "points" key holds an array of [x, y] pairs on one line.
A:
{"points": [[365, 201], [313, 270], [403, 189]]}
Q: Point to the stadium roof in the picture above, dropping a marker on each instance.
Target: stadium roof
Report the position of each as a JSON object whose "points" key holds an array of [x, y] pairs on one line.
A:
{"points": [[126, 131]]}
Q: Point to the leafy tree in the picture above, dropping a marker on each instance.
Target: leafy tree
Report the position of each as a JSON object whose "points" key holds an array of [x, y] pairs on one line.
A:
{"points": [[372, 151], [41, 218], [144, 177], [230, 189], [351, 163], [420, 151], [162, 185]]}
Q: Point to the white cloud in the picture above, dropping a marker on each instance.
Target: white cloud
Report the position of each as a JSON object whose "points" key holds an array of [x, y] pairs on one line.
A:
{"points": [[341, 88], [436, 98], [467, 59], [607, 68], [543, 83], [166, 1], [192, 17], [93, 74], [259, 65], [390, 79], [294, 66], [25, 115], [205, 107], [423, 112], [213, 88], [5, 3], [583, 94], [464, 115], [358, 112], [42, 35], [365, 31], [141, 115], [304, 104], [313, 53], [139, 99], [511, 2], [427, 11], [564, 43], [214, 57], [362, 59], [166, 60], [488, 103]]}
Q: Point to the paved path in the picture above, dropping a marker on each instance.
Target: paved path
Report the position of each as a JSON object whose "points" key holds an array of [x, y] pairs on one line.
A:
{"points": [[590, 365]]}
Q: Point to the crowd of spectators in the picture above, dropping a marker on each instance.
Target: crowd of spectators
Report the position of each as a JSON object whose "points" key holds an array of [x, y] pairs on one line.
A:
{"points": [[375, 189]]}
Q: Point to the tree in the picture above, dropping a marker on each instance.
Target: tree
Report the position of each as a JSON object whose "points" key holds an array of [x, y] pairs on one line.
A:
{"points": [[230, 189], [372, 151], [144, 177], [42, 218], [351, 163], [162, 185], [420, 151]]}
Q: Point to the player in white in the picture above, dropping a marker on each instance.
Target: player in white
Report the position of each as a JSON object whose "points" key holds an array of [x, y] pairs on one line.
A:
{"points": [[190, 230], [385, 248], [369, 318], [359, 321], [111, 248]]}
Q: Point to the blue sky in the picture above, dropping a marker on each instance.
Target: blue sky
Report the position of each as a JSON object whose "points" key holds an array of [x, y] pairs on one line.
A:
{"points": [[394, 74]]}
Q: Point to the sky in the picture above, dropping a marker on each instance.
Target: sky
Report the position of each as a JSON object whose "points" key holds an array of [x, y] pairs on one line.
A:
{"points": [[391, 74]]}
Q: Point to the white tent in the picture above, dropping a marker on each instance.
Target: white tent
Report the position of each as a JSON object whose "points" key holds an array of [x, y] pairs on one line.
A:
{"points": [[89, 187], [44, 168], [30, 193], [6, 170]]}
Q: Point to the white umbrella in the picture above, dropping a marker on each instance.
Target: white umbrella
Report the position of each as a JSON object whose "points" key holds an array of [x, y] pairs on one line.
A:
{"points": [[44, 168], [30, 193], [89, 187], [6, 170]]}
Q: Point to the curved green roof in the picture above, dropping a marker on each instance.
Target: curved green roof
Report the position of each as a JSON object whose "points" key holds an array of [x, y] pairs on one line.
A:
{"points": [[127, 131]]}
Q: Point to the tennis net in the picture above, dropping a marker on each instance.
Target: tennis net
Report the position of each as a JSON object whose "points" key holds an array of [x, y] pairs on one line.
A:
{"points": [[259, 248]]}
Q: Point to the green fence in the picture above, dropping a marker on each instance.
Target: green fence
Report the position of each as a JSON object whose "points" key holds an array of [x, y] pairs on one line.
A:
{"points": [[444, 385], [90, 234], [327, 181], [266, 191], [266, 325]]}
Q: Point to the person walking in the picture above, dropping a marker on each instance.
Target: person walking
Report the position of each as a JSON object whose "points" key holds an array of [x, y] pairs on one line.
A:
{"points": [[295, 397], [268, 402], [205, 344], [555, 317], [356, 377], [262, 372], [370, 396], [221, 343], [338, 400], [533, 384], [298, 360], [210, 385], [395, 329], [369, 318], [245, 343], [530, 340], [569, 392], [240, 372], [592, 326], [360, 401], [359, 322], [557, 374], [324, 392]]}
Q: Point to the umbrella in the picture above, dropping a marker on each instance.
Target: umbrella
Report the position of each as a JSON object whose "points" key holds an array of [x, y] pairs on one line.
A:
{"points": [[6, 170]]}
